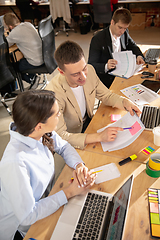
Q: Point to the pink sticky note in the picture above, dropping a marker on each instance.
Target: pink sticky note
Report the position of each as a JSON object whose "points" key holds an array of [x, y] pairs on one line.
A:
{"points": [[115, 117], [135, 128]]}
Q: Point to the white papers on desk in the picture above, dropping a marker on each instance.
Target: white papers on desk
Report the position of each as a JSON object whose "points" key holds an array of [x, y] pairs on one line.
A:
{"points": [[140, 94], [110, 171], [126, 137], [126, 66]]}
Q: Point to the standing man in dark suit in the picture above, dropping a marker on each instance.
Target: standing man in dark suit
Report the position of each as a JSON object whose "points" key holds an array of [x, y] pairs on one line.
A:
{"points": [[114, 38]]}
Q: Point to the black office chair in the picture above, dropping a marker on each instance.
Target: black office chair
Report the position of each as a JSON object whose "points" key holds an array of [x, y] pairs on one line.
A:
{"points": [[102, 11], [7, 74], [46, 32]]}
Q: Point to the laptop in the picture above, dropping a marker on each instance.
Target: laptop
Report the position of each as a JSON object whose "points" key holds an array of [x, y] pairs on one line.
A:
{"points": [[96, 215], [150, 116]]}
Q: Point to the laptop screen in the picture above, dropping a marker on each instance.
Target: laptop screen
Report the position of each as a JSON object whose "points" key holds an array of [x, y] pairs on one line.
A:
{"points": [[120, 205]]}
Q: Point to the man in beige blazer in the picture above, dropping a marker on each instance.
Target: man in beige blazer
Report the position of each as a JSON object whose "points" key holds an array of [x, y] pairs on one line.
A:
{"points": [[76, 87]]}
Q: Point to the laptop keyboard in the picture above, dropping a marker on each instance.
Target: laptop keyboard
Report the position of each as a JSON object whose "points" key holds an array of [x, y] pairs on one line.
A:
{"points": [[150, 117], [152, 54], [90, 221]]}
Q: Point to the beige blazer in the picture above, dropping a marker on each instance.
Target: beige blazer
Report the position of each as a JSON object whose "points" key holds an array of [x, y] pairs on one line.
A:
{"points": [[71, 122]]}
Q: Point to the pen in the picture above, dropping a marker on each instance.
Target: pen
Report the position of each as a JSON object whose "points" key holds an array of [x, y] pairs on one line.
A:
{"points": [[127, 128], [92, 173]]}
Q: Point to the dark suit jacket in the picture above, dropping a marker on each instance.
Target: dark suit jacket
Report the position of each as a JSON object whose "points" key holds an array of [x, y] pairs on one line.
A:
{"points": [[101, 51]]}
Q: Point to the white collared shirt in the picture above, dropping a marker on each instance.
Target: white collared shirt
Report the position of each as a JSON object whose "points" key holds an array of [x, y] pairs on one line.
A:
{"points": [[116, 46], [26, 168]]}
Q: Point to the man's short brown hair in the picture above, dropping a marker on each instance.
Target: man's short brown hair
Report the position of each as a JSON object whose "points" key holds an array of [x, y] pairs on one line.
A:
{"points": [[10, 19], [68, 52], [123, 15]]}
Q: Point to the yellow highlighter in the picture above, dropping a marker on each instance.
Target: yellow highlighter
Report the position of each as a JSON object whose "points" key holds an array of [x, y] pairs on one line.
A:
{"points": [[128, 159]]}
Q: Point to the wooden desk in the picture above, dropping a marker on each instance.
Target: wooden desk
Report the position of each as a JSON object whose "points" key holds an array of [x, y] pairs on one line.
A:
{"points": [[103, 118], [42, 230]]}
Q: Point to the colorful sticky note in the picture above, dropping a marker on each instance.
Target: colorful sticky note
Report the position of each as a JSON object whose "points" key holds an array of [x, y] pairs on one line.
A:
{"points": [[135, 128], [155, 218], [152, 190], [153, 198], [148, 150], [155, 230], [115, 117], [154, 207], [151, 148], [144, 150], [152, 195]]}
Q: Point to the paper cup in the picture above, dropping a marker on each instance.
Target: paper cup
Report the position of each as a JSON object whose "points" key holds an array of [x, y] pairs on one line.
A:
{"points": [[152, 66], [156, 132]]}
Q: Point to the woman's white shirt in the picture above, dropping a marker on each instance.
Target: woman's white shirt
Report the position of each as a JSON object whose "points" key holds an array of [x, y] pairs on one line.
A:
{"points": [[26, 168]]}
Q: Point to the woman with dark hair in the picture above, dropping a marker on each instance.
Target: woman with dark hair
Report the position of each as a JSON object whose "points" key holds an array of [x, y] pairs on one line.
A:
{"points": [[27, 166]]}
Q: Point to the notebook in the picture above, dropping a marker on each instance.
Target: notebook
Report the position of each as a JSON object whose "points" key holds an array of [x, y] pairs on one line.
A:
{"points": [[96, 215]]}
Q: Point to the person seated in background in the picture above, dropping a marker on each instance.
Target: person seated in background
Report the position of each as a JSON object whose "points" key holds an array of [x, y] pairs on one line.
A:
{"points": [[76, 87], [114, 38], [27, 39], [27, 167]]}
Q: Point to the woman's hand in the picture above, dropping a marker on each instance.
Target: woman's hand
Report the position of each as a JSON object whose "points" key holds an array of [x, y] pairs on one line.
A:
{"points": [[76, 189], [82, 174]]}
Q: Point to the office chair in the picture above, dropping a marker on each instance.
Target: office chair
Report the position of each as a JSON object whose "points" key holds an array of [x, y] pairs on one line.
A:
{"points": [[60, 10], [7, 73], [102, 11], [46, 32]]}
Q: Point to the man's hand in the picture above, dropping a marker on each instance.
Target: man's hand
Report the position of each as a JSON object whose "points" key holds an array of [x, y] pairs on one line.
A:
{"points": [[109, 134], [111, 64], [140, 60], [130, 106]]}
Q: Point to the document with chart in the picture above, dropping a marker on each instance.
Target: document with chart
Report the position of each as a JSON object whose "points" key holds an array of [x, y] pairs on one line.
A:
{"points": [[126, 137], [140, 94], [126, 66]]}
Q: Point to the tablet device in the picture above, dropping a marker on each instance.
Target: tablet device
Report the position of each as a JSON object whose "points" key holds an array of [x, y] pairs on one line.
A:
{"points": [[153, 85]]}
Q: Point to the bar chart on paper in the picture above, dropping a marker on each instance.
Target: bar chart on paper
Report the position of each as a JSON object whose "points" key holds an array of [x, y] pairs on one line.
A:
{"points": [[140, 94]]}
